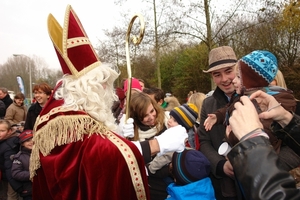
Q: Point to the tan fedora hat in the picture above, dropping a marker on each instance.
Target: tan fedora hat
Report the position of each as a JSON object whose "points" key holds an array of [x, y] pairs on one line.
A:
{"points": [[221, 57]]}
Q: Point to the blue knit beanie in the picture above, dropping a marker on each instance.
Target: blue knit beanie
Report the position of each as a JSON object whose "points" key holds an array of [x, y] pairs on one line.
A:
{"points": [[257, 69]]}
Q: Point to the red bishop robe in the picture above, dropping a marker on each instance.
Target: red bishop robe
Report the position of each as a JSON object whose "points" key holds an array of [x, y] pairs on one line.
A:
{"points": [[68, 162]]}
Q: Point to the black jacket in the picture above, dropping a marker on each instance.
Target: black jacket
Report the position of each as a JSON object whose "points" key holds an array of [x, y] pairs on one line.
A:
{"points": [[2, 109], [20, 170], [33, 112], [290, 134], [210, 142], [259, 172], [7, 100], [157, 182], [8, 148]]}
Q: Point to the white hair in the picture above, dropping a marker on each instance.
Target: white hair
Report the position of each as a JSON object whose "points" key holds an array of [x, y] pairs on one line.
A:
{"points": [[92, 92]]}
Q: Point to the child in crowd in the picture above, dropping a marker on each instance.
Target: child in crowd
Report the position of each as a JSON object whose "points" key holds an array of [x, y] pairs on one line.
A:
{"points": [[157, 94], [20, 166], [184, 116], [186, 167], [255, 71], [196, 98], [166, 102], [190, 169], [189, 166], [18, 128], [9, 145]]}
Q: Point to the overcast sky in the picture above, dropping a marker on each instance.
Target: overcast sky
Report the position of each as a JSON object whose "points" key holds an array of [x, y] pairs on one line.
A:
{"points": [[24, 24]]}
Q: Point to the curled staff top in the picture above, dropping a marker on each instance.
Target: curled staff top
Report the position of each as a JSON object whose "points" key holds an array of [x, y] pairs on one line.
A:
{"points": [[136, 40]]}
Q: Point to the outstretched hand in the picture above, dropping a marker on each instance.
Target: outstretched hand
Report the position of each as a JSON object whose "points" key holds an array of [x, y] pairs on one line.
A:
{"points": [[173, 139], [210, 121]]}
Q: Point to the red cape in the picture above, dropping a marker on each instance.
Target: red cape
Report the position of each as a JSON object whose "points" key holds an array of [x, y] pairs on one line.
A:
{"points": [[90, 169], [72, 163]]}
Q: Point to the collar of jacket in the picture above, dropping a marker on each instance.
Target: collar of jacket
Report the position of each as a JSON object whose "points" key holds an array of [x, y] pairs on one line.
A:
{"points": [[220, 96]]}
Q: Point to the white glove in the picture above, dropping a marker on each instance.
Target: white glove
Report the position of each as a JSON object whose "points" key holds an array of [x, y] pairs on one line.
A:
{"points": [[173, 139], [128, 130]]}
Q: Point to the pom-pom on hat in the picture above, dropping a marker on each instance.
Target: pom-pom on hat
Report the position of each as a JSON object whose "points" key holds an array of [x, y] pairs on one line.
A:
{"points": [[185, 115], [25, 135], [257, 69], [221, 57], [189, 166], [135, 84]]}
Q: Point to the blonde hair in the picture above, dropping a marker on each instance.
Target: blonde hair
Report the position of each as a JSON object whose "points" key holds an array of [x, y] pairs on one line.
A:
{"points": [[197, 99], [279, 78], [4, 121]]}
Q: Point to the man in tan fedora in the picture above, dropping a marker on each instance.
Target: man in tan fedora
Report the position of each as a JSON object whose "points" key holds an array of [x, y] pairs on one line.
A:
{"points": [[221, 67]]}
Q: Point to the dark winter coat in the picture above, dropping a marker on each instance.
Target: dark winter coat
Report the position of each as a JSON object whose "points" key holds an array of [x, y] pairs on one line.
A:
{"points": [[20, 170], [157, 182], [284, 97], [290, 135], [8, 148], [267, 182], [7, 101], [288, 158], [210, 142], [2, 109], [32, 113]]}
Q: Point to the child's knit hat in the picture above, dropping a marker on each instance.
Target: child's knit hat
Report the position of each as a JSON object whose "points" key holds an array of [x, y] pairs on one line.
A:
{"points": [[25, 135], [257, 69], [189, 166], [186, 115]]}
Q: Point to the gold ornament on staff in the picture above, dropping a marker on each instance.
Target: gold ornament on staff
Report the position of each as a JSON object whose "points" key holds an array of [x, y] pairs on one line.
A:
{"points": [[136, 41]]}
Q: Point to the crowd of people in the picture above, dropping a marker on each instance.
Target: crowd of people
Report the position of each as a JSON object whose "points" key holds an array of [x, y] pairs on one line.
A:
{"points": [[16, 142], [78, 140]]}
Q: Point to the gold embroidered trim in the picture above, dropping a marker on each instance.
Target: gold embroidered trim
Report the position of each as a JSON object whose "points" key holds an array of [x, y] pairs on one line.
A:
{"points": [[134, 169], [59, 37], [66, 129], [74, 42], [62, 130], [46, 117]]}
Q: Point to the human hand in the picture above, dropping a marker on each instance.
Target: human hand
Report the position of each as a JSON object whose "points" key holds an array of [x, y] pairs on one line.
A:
{"points": [[244, 118], [210, 121], [228, 169], [173, 139], [128, 128], [231, 137], [272, 110]]}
